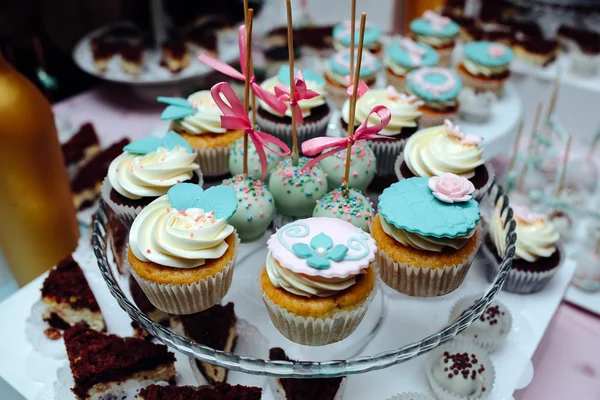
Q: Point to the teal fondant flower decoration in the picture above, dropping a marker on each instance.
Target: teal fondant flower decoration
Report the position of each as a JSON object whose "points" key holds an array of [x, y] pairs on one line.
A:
{"points": [[321, 251], [219, 199], [177, 108], [151, 144]]}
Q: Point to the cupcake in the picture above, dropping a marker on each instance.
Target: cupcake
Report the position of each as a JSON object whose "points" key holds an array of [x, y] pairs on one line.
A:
{"points": [[146, 170], [198, 120], [371, 39], [315, 111], [441, 149], [404, 56], [439, 89], [460, 370], [182, 249], [363, 167], [485, 66], [296, 188], [403, 123], [536, 255], [490, 329], [236, 159], [347, 204], [255, 208], [437, 31], [338, 71], [427, 234], [319, 280]]}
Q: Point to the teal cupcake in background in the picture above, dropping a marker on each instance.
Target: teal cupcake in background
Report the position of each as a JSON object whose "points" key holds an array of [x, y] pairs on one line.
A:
{"points": [[485, 66], [371, 39], [437, 31], [405, 55]]}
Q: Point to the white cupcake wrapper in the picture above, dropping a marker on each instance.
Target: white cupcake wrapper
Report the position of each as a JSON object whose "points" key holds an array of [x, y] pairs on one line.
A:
{"points": [[125, 213], [316, 331], [460, 346], [190, 298], [494, 86], [411, 396], [478, 194], [522, 282], [398, 82], [489, 344], [283, 131], [386, 152], [422, 281], [213, 161], [280, 393]]}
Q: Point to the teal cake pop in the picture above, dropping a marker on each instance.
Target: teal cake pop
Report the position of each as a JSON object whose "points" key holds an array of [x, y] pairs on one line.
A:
{"points": [[236, 159], [362, 167], [255, 207], [296, 190], [347, 204]]}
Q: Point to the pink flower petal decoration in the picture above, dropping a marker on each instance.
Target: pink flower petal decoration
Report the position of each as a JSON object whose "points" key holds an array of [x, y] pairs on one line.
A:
{"points": [[496, 50], [524, 214], [451, 188]]}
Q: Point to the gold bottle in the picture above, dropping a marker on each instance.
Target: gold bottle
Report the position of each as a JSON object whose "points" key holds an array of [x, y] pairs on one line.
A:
{"points": [[37, 219]]}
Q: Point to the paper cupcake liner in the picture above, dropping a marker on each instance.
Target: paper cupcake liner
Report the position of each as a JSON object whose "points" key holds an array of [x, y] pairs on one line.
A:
{"points": [[427, 121], [522, 282], [411, 396], [280, 393], [460, 346], [478, 194], [489, 344], [305, 131], [493, 85], [190, 298], [213, 161], [310, 331], [421, 281], [398, 82], [386, 152]]}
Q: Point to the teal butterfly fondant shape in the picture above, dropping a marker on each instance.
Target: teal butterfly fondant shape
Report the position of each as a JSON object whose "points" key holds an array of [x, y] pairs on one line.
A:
{"points": [[321, 251], [151, 144], [178, 108], [219, 199]]}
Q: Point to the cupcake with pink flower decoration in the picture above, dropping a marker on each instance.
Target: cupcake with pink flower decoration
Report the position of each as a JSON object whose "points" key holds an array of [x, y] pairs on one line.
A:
{"points": [[485, 66], [446, 149], [427, 234]]}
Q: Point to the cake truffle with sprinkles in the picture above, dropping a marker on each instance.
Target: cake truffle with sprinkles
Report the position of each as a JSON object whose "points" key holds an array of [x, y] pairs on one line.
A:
{"points": [[348, 205], [363, 167]]}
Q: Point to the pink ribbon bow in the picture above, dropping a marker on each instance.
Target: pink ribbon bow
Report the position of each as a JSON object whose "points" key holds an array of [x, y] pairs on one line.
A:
{"points": [[301, 92], [235, 117], [362, 88], [317, 145], [269, 98]]}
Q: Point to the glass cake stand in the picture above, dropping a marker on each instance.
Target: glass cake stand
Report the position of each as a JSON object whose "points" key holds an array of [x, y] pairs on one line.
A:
{"points": [[423, 322]]}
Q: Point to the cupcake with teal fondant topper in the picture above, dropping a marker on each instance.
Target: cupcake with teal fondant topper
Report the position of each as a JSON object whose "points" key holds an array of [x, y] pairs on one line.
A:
{"points": [[236, 159], [337, 74], [363, 167], [146, 170], [198, 120], [371, 39], [438, 88], [182, 248], [405, 55], [347, 204], [319, 280], [255, 209], [438, 32], [312, 111], [427, 234], [485, 66], [296, 189]]}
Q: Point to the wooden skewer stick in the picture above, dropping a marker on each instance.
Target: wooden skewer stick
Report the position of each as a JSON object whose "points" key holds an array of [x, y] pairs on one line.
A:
{"points": [[597, 248], [534, 129], [247, 83], [363, 19], [554, 97], [513, 157], [592, 149], [251, 67], [352, 28], [563, 172], [290, 38]]}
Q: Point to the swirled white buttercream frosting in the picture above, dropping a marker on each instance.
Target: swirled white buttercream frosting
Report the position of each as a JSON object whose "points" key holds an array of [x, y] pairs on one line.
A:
{"points": [[306, 105], [485, 70], [207, 119]]}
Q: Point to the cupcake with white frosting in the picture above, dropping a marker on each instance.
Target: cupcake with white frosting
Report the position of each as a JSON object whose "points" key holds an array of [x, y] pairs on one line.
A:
{"points": [[403, 123], [537, 255], [445, 149], [319, 280], [198, 120], [146, 170], [315, 111], [403, 56], [438, 32], [485, 66], [182, 248]]}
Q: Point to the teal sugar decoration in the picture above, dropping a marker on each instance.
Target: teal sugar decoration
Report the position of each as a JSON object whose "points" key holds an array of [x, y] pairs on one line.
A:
{"points": [[178, 108], [151, 144], [321, 251], [220, 199], [309, 75]]}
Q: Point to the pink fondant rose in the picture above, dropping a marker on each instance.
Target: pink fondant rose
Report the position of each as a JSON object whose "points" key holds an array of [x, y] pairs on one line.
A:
{"points": [[497, 50], [451, 188]]}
